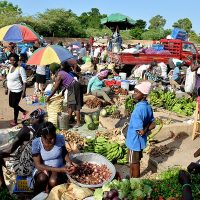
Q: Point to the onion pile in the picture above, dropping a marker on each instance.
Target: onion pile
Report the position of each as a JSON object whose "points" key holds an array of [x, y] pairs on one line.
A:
{"points": [[112, 195], [92, 174]]}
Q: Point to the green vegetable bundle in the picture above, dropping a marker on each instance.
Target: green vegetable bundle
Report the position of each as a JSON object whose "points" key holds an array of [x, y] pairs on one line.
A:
{"points": [[113, 151], [167, 185], [130, 104]]}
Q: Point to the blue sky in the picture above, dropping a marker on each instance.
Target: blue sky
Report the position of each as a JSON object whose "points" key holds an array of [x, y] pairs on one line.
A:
{"points": [[171, 10]]}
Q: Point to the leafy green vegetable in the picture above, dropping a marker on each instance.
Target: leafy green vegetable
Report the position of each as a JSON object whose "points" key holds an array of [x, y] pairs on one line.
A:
{"points": [[98, 194], [130, 104], [106, 187], [138, 194]]}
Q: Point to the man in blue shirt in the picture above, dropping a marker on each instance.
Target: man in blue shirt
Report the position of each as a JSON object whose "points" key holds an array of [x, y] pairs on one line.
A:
{"points": [[142, 122]]}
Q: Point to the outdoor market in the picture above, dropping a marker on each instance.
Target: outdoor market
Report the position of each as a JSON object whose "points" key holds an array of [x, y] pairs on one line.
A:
{"points": [[99, 118]]}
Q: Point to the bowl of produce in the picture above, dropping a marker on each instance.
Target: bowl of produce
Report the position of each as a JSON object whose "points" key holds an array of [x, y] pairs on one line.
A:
{"points": [[93, 170]]}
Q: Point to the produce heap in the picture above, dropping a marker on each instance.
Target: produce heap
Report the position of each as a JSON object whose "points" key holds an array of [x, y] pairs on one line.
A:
{"points": [[164, 186], [168, 101], [92, 174], [111, 111], [94, 103], [113, 151], [73, 138], [133, 189], [92, 121]]}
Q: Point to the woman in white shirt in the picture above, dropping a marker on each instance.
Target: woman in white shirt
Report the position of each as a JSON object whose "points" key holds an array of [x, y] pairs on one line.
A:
{"points": [[16, 84]]}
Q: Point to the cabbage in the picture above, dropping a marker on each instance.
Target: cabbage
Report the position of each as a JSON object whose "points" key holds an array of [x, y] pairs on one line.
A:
{"points": [[136, 183], [106, 187], [124, 188], [137, 194], [98, 194]]}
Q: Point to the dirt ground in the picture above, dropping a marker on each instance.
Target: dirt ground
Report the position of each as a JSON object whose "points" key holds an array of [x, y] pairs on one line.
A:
{"points": [[180, 149], [6, 113]]}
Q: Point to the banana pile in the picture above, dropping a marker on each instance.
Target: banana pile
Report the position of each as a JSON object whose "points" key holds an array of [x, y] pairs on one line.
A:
{"points": [[113, 151], [123, 160]]}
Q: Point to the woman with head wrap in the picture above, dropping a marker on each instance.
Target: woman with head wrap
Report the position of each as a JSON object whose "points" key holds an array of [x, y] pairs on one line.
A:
{"points": [[66, 81], [96, 86], [142, 122], [18, 145]]}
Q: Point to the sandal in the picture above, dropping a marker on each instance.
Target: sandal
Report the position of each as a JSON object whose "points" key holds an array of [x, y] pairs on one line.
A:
{"points": [[13, 123], [24, 116]]}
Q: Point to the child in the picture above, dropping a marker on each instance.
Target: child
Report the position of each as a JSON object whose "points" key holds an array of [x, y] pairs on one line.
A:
{"points": [[142, 121]]}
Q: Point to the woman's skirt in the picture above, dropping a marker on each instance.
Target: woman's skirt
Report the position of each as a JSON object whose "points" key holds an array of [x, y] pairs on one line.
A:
{"points": [[75, 96], [40, 78]]}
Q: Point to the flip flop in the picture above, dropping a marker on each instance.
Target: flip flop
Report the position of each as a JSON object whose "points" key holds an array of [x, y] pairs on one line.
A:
{"points": [[13, 123], [24, 116]]}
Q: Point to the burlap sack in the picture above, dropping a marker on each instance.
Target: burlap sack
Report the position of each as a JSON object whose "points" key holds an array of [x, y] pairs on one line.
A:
{"points": [[74, 192], [57, 192], [54, 106]]}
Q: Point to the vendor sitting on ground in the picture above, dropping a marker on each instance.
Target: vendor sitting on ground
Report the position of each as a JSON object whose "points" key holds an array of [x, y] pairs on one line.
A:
{"points": [[176, 73], [153, 73], [19, 146], [96, 86], [65, 81], [50, 156]]}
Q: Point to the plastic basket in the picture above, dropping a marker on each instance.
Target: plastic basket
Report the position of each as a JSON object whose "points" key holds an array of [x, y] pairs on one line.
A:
{"points": [[22, 185]]}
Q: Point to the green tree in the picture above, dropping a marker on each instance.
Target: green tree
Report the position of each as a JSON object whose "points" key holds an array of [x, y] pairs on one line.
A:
{"points": [[6, 7], [91, 19], [153, 34], [167, 32], [194, 37], [9, 13], [140, 24], [136, 33], [157, 22], [59, 23], [184, 24]]}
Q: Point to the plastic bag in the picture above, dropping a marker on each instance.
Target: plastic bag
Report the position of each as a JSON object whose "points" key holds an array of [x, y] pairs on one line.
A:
{"points": [[190, 81]]}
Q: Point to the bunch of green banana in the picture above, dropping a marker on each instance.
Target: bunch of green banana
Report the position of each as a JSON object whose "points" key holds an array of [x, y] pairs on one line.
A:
{"points": [[123, 160], [152, 135], [114, 151], [101, 146]]}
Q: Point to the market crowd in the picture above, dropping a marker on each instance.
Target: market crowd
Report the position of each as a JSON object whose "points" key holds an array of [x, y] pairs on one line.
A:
{"points": [[39, 151]]}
